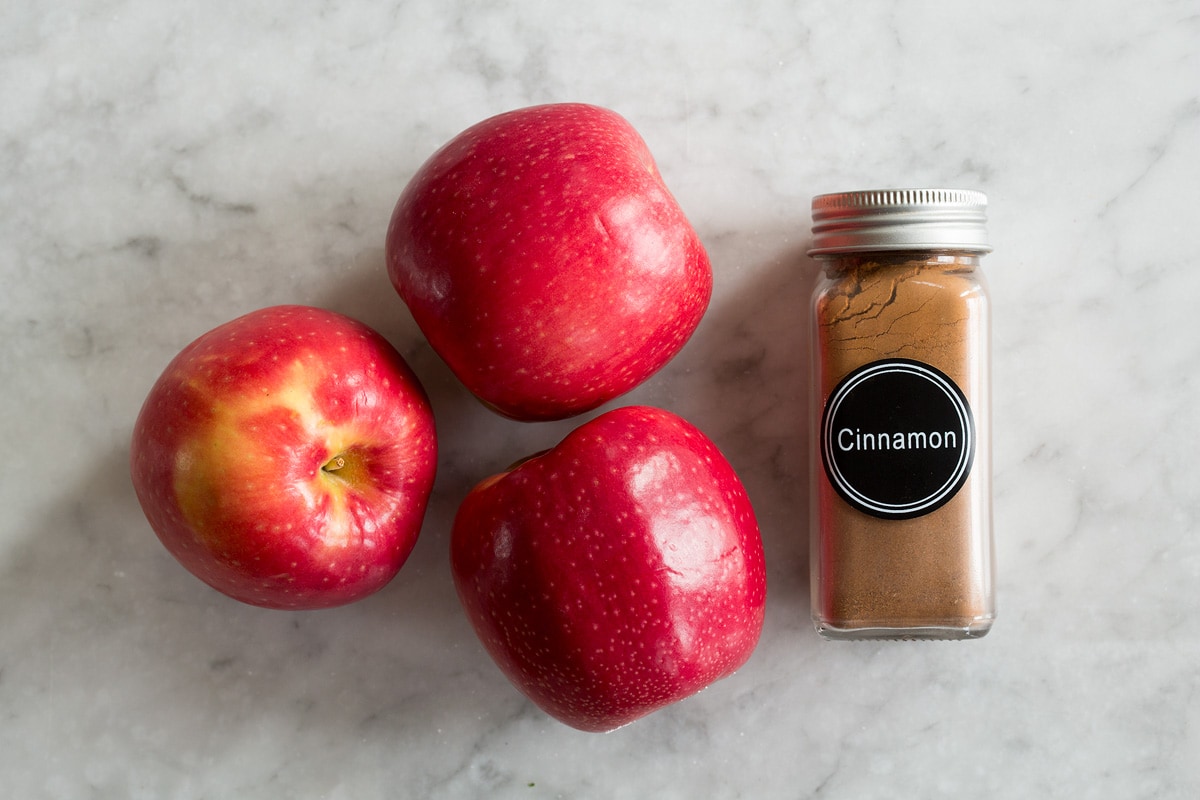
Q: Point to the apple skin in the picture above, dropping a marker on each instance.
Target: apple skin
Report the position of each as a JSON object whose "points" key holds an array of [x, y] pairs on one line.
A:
{"points": [[616, 573], [544, 259], [234, 458]]}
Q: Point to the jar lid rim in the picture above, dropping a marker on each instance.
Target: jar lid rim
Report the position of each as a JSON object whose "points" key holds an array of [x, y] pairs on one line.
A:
{"points": [[899, 219]]}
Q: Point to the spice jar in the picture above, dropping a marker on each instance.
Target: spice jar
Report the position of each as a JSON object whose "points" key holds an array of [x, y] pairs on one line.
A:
{"points": [[901, 538]]}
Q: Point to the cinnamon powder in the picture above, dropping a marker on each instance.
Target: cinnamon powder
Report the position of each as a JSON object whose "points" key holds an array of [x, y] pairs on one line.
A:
{"points": [[929, 576]]}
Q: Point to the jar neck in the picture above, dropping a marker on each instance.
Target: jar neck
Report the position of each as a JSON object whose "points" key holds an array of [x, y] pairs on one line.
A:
{"points": [[948, 259]]}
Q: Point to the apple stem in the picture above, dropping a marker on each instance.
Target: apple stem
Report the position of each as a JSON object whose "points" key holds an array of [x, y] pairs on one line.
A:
{"points": [[334, 464]]}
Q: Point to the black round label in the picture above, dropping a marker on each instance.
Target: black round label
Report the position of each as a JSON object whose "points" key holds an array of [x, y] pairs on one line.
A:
{"points": [[897, 438]]}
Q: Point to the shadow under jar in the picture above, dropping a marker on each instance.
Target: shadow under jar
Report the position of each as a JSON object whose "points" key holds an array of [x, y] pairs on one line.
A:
{"points": [[901, 535]]}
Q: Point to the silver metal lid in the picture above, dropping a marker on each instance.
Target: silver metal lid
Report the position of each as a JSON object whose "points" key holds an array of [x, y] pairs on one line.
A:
{"points": [[900, 219]]}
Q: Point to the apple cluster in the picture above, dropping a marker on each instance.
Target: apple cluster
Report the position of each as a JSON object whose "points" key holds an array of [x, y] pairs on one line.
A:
{"points": [[286, 458]]}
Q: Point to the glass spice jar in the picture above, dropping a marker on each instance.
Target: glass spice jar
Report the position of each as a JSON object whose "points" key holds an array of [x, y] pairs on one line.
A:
{"points": [[901, 539]]}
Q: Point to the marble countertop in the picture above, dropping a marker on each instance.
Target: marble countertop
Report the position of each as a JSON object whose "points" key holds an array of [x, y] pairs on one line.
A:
{"points": [[164, 169]]}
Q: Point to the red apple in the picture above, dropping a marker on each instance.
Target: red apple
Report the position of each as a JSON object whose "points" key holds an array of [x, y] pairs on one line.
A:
{"points": [[615, 574], [546, 262], [286, 458]]}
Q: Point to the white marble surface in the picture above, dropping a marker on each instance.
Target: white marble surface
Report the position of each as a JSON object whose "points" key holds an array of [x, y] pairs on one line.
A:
{"points": [[165, 167]]}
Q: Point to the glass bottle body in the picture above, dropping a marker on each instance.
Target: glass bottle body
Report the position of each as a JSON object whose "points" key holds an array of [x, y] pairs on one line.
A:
{"points": [[901, 535]]}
